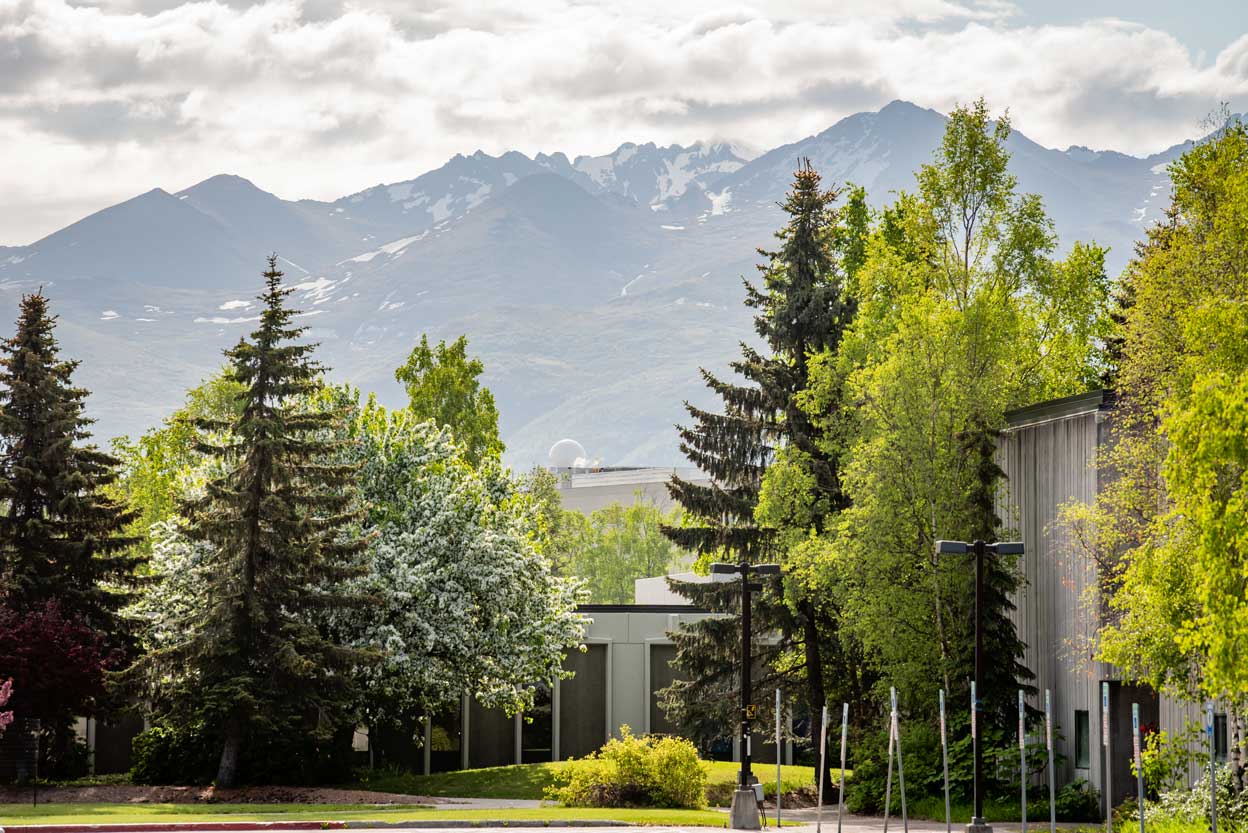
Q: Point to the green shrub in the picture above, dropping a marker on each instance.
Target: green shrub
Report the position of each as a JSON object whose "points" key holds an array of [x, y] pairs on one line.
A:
{"points": [[168, 755], [631, 771]]}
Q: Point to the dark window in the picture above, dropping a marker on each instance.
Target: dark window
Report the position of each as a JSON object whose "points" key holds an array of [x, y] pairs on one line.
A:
{"points": [[1219, 737], [1083, 745]]}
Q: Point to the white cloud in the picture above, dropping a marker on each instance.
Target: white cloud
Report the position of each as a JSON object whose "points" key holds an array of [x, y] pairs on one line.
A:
{"points": [[323, 98]]}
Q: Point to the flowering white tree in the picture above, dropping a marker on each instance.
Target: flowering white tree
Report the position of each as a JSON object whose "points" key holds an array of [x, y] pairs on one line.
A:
{"points": [[468, 601]]}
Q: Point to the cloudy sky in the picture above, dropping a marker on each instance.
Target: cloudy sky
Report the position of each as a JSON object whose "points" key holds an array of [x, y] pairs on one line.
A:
{"points": [[106, 99]]}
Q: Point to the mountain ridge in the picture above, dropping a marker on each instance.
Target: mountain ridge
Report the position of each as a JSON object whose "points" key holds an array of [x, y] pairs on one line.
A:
{"points": [[593, 287]]}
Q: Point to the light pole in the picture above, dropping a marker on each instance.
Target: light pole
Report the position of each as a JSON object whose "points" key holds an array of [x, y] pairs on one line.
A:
{"points": [[744, 803], [980, 549]]}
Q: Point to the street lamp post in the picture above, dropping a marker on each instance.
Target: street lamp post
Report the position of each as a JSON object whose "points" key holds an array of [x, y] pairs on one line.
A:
{"points": [[744, 803], [979, 548]]}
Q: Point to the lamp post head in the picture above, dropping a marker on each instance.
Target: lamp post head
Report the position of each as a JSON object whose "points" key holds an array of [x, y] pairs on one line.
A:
{"points": [[952, 548], [766, 569], [720, 568], [1007, 547]]}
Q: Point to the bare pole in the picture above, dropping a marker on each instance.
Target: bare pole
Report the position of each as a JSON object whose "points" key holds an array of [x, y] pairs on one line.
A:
{"points": [[944, 754], [840, 796], [823, 759], [901, 771], [779, 709], [1022, 755], [1213, 769], [888, 783], [1048, 745]]}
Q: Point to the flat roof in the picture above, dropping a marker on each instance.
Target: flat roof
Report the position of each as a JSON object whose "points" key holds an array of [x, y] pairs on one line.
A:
{"points": [[639, 609], [1066, 406]]}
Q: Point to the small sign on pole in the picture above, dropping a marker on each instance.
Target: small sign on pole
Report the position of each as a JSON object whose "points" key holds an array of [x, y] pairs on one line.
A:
{"points": [[840, 796], [1139, 770], [1048, 745], [944, 754], [974, 713], [1022, 755], [823, 759]]}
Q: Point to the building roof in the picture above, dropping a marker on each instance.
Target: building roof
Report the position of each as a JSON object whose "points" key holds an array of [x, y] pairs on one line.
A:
{"points": [[1067, 406]]}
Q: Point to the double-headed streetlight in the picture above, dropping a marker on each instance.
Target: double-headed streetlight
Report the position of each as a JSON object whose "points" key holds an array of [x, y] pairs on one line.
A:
{"points": [[979, 549], [745, 570]]}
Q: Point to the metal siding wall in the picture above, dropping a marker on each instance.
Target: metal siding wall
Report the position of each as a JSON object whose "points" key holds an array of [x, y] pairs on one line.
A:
{"points": [[1049, 464]]}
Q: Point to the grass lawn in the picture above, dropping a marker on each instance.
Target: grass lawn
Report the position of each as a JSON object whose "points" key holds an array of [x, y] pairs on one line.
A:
{"points": [[529, 781], [16, 814]]}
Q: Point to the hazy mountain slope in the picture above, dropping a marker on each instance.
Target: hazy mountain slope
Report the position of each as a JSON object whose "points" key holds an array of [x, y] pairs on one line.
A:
{"points": [[593, 288]]}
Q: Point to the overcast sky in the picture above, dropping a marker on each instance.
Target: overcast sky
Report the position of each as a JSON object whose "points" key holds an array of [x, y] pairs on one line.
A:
{"points": [[101, 101]]}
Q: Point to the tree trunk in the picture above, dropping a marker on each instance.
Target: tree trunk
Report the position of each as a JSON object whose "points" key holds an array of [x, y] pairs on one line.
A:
{"points": [[227, 770], [816, 694]]}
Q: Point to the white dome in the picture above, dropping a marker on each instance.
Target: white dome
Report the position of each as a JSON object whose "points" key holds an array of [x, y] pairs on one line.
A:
{"points": [[566, 454]]}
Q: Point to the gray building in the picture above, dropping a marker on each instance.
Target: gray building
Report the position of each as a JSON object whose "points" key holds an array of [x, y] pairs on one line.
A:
{"points": [[1051, 457]]}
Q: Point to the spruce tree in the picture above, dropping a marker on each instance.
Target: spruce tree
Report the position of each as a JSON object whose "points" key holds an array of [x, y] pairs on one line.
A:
{"points": [[60, 533], [803, 307], [278, 528]]}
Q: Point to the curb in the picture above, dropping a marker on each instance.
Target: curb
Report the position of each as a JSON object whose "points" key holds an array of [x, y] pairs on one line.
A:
{"points": [[416, 824]]}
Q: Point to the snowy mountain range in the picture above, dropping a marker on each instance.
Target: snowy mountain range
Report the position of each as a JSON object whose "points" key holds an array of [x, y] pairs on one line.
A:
{"points": [[593, 288]]}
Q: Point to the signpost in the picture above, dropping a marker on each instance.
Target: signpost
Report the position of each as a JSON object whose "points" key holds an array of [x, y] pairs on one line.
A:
{"points": [[1139, 770], [840, 797], [1022, 755], [944, 754], [894, 738], [1048, 745]]}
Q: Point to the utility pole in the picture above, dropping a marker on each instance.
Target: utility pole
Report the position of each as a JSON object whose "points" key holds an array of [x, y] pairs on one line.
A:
{"points": [[979, 549], [744, 800]]}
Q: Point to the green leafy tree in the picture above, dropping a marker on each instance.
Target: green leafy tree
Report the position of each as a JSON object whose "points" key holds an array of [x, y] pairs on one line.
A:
{"points": [[622, 544], [560, 533], [273, 534], [165, 463], [801, 308], [61, 533], [964, 312], [442, 386], [1166, 529]]}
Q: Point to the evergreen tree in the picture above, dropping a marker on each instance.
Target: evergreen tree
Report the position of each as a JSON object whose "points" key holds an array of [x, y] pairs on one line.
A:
{"points": [[803, 307], [60, 534], [275, 529]]}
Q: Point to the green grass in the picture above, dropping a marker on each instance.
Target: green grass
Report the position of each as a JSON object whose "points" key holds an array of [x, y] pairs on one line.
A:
{"points": [[11, 815], [933, 808], [529, 781]]}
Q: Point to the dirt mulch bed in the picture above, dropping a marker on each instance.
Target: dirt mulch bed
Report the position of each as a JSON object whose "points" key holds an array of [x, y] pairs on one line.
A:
{"points": [[133, 794]]}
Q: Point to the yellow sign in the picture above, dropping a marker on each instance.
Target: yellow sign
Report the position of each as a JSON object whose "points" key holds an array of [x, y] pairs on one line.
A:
{"points": [[751, 711]]}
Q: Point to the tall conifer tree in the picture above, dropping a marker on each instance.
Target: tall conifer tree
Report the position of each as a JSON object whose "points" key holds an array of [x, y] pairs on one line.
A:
{"points": [[803, 307], [60, 535], [277, 525]]}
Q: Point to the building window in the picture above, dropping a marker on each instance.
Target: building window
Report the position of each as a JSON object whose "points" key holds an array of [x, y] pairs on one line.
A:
{"points": [[1219, 737], [1083, 736]]}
